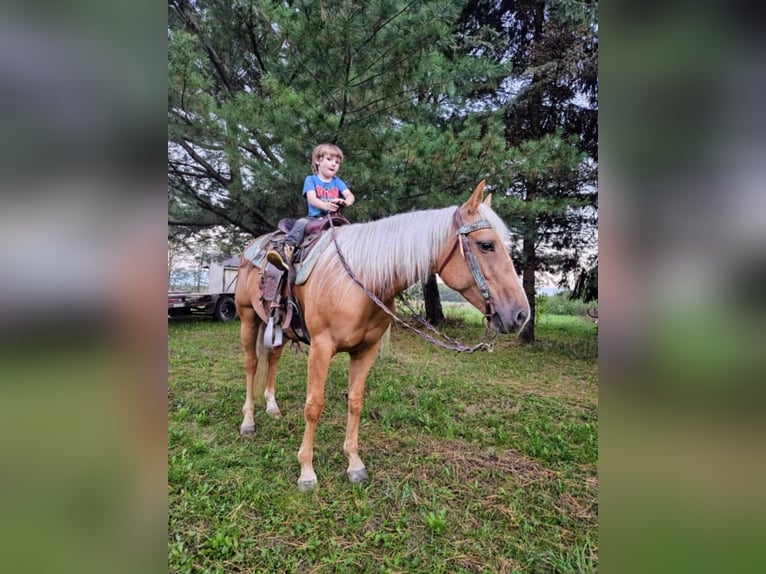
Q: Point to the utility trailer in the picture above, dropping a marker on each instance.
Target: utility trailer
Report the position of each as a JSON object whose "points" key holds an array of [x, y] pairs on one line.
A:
{"points": [[219, 299]]}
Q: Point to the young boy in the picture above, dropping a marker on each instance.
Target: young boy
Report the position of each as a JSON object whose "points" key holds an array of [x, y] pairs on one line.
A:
{"points": [[324, 191]]}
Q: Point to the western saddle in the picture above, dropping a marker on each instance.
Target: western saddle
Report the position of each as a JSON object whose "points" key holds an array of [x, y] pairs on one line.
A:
{"points": [[282, 309]]}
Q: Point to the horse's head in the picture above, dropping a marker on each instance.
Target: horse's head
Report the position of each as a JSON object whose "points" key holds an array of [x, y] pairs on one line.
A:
{"points": [[477, 265]]}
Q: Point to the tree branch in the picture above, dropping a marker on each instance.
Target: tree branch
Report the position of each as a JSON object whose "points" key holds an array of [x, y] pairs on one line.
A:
{"points": [[225, 182], [212, 208], [183, 10]]}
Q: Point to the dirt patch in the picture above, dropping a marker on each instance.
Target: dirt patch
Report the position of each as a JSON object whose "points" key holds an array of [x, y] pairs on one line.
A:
{"points": [[462, 460]]}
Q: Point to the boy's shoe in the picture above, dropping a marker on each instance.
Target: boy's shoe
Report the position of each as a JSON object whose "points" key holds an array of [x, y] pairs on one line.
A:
{"points": [[280, 255]]}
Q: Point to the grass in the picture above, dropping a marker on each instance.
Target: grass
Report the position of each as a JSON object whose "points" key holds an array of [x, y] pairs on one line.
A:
{"points": [[478, 463]]}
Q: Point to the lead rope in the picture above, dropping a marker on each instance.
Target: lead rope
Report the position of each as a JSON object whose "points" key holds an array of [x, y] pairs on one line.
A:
{"points": [[453, 345], [489, 334]]}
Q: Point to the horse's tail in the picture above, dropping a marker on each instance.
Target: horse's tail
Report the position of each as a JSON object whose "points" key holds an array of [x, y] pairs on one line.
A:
{"points": [[262, 369]]}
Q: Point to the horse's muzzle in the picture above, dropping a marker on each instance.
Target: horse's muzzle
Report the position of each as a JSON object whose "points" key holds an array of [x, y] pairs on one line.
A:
{"points": [[511, 321]]}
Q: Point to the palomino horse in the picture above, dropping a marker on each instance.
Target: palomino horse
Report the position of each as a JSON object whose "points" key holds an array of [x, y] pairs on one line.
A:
{"points": [[387, 256]]}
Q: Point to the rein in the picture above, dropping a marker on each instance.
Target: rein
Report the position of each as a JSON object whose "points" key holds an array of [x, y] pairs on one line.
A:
{"points": [[453, 344]]}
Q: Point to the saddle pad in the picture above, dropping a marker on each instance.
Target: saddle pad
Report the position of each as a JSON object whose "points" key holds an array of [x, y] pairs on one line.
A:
{"points": [[256, 253], [302, 273]]}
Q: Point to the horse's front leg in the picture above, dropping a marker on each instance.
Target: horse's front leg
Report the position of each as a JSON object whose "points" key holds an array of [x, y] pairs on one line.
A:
{"points": [[359, 367], [318, 364]]}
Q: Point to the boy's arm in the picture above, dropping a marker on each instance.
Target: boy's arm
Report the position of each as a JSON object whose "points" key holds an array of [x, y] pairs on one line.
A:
{"points": [[311, 197], [348, 197]]}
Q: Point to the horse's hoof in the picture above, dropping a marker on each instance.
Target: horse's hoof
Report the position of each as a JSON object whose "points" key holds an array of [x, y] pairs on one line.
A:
{"points": [[307, 485], [357, 476], [274, 412], [246, 430]]}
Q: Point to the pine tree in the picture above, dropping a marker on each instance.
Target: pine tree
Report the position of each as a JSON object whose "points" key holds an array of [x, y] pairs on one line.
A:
{"points": [[550, 116], [253, 86]]}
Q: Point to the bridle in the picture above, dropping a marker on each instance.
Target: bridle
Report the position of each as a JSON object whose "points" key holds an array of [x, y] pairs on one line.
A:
{"points": [[461, 240]]}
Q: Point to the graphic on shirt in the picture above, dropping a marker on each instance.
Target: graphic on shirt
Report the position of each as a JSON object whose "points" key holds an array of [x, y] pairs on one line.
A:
{"points": [[327, 193]]}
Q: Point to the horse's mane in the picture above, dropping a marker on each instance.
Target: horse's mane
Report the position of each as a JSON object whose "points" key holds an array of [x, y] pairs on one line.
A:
{"points": [[400, 248]]}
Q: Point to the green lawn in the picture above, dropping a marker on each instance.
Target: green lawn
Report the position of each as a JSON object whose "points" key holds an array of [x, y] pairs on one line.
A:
{"points": [[477, 463]]}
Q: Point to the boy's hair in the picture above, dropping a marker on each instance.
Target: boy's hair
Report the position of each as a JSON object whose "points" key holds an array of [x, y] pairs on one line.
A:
{"points": [[322, 150]]}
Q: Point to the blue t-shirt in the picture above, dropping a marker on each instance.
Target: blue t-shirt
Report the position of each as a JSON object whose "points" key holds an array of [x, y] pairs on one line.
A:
{"points": [[325, 190]]}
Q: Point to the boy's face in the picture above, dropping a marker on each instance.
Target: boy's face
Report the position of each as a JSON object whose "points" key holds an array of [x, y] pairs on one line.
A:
{"points": [[328, 165]]}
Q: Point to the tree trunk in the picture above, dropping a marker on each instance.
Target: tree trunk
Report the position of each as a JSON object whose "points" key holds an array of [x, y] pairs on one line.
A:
{"points": [[432, 300], [527, 334]]}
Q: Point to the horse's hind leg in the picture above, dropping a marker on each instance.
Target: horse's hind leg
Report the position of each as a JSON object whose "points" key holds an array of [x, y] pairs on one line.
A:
{"points": [[271, 403], [250, 325], [359, 367]]}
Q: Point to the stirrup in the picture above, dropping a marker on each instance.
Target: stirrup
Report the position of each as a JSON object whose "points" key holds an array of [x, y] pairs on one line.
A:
{"points": [[272, 336]]}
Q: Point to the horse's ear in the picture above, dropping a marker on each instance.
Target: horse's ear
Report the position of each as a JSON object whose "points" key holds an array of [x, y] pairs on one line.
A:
{"points": [[475, 199], [488, 200]]}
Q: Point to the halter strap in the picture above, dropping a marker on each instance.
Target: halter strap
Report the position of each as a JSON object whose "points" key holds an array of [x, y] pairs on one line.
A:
{"points": [[461, 240], [468, 228]]}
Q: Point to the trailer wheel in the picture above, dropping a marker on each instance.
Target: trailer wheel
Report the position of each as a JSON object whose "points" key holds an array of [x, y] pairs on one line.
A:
{"points": [[225, 310]]}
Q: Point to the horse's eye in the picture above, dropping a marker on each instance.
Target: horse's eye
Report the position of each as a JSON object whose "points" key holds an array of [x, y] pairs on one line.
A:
{"points": [[486, 246]]}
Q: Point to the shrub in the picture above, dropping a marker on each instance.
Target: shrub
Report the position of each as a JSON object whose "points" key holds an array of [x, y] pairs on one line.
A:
{"points": [[563, 304]]}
